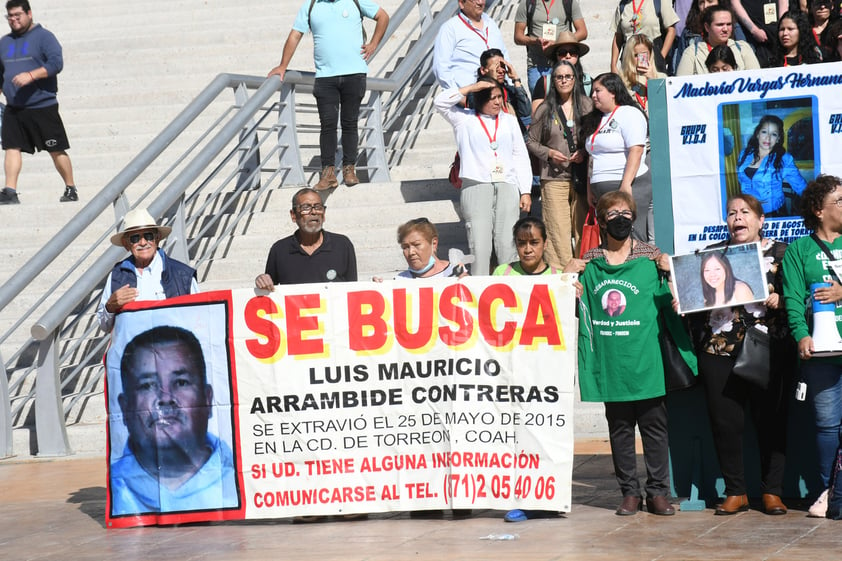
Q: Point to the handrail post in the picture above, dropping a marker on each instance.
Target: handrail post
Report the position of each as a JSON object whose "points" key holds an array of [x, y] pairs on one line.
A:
{"points": [[247, 179], [49, 411], [290, 157], [378, 168], [5, 413], [177, 240]]}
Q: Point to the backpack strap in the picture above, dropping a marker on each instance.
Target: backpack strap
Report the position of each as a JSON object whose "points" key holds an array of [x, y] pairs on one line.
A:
{"points": [[568, 11], [357, 4]]}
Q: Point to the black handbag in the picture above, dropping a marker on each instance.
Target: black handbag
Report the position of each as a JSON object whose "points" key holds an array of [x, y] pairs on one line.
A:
{"points": [[753, 361], [677, 374]]}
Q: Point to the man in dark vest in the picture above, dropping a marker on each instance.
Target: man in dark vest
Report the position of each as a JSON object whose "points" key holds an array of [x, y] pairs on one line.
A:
{"points": [[147, 274]]}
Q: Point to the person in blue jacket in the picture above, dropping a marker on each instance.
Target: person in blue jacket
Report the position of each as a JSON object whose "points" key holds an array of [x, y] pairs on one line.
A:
{"points": [[147, 274], [764, 167]]}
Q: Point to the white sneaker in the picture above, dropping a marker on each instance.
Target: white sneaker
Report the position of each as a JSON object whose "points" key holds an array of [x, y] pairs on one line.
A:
{"points": [[819, 508]]}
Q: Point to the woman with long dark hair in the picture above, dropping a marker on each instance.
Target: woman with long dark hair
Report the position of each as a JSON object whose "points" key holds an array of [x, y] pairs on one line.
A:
{"points": [[556, 141], [796, 44], [719, 285], [764, 166], [616, 133]]}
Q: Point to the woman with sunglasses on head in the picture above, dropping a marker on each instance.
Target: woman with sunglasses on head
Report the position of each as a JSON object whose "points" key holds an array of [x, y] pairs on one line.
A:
{"points": [[495, 172], [556, 141]]}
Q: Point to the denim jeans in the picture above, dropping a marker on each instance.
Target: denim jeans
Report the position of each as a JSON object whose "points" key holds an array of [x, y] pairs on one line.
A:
{"points": [[824, 390], [338, 99]]}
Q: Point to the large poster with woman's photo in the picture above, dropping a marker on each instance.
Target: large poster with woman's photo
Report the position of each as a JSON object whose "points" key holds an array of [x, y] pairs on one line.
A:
{"points": [[763, 132]]}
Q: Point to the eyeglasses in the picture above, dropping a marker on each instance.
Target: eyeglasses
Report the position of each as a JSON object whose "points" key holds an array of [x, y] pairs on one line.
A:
{"points": [[612, 214], [318, 208], [16, 15], [837, 202], [564, 78], [562, 51], [148, 236]]}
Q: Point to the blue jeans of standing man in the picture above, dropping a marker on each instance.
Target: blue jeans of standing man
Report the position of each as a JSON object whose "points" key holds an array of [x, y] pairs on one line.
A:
{"points": [[338, 99], [824, 390]]}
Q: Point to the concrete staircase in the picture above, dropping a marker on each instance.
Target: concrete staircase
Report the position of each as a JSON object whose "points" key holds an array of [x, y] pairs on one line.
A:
{"points": [[131, 67]]}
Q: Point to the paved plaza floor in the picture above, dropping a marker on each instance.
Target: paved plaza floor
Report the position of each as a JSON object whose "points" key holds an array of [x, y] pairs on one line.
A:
{"points": [[54, 510]]}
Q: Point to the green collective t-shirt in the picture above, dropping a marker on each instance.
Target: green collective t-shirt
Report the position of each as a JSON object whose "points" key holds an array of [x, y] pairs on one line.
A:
{"points": [[619, 354], [804, 264]]}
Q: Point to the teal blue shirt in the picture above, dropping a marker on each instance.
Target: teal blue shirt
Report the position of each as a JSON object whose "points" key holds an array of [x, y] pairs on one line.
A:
{"points": [[337, 35]]}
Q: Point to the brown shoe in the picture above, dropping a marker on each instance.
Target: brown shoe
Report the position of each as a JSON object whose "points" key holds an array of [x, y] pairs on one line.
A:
{"points": [[772, 504], [732, 505], [629, 506], [349, 175], [659, 505], [327, 179]]}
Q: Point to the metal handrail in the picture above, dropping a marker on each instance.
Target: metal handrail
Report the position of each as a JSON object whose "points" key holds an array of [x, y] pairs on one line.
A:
{"points": [[71, 315]]}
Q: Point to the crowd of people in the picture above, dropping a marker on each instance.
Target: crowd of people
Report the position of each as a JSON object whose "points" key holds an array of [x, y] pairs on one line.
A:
{"points": [[588, 142]]}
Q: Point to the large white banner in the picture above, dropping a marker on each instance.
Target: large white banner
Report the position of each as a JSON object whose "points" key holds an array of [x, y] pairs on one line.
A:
{"points": [[343, 398], [720, 127]]}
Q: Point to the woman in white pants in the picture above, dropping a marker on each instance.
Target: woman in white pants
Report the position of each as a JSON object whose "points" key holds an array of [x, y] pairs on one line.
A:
{"points": [[495, 172]]}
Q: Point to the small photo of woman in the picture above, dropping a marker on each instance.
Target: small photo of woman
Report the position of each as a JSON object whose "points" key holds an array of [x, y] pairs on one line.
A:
{"points": [[719, 285]]}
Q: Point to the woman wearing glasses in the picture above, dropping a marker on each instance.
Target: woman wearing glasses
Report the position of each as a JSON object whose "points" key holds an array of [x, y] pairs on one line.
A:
{"points": [[619, 358], [147, 274], [805, 263], [556, 141]]}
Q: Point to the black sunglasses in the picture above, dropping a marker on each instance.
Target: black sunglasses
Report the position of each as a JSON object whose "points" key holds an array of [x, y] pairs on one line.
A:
{"points": [[148, 236]]}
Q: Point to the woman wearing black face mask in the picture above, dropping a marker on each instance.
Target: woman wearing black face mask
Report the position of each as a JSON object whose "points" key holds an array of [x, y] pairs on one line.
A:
{"points": [[621, 295]]}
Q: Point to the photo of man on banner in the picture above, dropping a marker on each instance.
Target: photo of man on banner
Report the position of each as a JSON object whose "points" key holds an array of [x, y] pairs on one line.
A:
{"points": [[170, 422]]}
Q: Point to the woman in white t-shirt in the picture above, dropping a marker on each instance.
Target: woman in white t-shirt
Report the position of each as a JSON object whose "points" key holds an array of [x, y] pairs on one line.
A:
{"points": [[616, 132]]}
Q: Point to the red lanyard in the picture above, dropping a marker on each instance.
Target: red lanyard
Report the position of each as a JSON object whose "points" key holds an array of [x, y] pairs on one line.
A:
{"points": [[475, 30], [601, 126], [816, 36], [636, 15], [505, 101], [709, 47], [640, 99], [787, 63], [492, 140], [548, 8]]}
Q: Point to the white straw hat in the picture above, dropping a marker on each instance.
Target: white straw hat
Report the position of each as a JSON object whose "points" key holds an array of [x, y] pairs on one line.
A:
{"points": [[139, 219]]}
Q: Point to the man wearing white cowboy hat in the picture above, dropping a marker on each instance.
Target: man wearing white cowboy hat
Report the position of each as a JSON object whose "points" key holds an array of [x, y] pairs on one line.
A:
{"points": [[147, 274]]}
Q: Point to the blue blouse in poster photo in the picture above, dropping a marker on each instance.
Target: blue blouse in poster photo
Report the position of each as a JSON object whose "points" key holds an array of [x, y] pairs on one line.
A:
{"points": [[772, 149]]}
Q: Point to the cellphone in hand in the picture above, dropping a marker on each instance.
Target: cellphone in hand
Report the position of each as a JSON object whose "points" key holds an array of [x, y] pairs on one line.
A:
{"points": [[642, 59]]}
